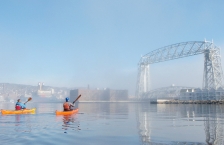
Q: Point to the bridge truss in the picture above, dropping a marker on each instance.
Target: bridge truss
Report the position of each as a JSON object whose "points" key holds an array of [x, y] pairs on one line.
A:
{"points": [[213, 75]]}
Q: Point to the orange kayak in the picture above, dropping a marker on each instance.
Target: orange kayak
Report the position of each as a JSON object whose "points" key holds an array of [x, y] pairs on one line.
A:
{"points": [[25, 111], [66, 112]]}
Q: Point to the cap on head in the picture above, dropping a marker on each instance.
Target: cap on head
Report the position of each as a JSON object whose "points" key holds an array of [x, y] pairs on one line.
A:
{"points": [[67, 99]]}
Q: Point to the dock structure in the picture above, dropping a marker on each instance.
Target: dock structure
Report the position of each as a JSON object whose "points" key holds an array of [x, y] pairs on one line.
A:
{"points": [[185, 95]]}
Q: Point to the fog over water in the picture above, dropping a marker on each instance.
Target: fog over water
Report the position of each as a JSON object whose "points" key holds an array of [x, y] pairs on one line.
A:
{"points": [[187, 71]]}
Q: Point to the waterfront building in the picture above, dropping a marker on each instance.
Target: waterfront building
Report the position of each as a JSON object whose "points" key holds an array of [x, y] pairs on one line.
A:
{"points": [[98, 95], [201, 94]]}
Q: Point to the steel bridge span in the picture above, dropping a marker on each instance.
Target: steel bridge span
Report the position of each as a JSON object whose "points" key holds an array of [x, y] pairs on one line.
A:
{"points": [[212, 88]]}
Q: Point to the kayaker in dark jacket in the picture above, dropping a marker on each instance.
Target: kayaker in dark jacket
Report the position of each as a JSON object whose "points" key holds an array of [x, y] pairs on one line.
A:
{"points": [[67, 105], [20, 105]]}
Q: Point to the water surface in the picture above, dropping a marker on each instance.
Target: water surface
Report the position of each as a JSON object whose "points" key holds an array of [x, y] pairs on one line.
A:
{"points": [[115, 123]]}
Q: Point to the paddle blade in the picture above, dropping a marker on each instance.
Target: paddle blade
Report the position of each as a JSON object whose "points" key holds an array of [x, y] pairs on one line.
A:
{"points": [[29, 99]]}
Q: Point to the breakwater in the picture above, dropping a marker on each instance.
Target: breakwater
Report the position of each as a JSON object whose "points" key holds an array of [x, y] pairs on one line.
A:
{"points": [[189, 102]]}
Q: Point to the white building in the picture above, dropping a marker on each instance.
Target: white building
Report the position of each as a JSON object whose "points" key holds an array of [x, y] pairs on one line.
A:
{"points": [[201, 94]]}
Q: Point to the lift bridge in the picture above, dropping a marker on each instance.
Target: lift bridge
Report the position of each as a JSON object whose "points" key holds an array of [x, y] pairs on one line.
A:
{"points": [[212, 88]]}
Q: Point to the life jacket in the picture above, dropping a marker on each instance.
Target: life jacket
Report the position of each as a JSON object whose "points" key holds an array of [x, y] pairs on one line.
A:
{"points": [[66, 106], [18, 107]]}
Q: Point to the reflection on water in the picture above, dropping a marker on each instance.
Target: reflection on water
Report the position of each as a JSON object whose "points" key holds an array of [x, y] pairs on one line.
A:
{"points": [[20, 126], [180, 124], [70, 122], [116, 123], [214, 125]]}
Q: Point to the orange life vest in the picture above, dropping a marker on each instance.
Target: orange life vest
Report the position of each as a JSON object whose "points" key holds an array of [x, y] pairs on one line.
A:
{"points": [[66, 106]]}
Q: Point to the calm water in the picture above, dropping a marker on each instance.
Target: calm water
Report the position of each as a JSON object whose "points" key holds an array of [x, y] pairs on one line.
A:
{"points": [[115, 124]]}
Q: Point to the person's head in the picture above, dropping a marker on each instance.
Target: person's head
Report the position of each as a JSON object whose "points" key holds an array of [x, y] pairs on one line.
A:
{"points": [[66, 99], [18, 100]]}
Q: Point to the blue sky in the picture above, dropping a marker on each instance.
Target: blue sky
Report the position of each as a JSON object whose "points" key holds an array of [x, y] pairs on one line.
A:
{"points": [[71, 43]]}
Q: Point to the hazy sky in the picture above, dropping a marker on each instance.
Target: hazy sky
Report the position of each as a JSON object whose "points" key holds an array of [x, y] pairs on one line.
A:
{"points": [[73, 43]]}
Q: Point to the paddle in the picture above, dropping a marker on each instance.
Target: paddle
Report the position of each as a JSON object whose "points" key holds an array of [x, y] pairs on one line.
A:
{"points": [[77, 99], [29, 99]]}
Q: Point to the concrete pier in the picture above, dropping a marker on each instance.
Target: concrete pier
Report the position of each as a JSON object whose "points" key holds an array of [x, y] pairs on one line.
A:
{"points": [[188, 102]]}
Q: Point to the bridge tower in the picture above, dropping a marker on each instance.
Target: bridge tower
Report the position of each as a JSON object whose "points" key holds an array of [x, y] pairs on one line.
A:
{"points": [[212, 68], [144, 79]]}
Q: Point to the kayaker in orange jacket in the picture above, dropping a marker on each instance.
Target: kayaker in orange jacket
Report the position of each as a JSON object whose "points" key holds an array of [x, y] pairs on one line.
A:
{"points": [[67, 105]]}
